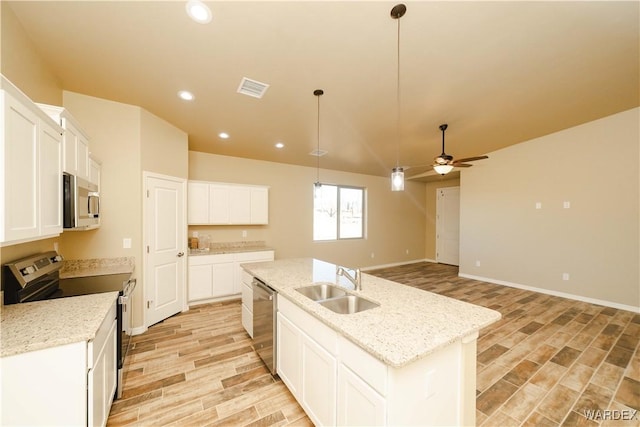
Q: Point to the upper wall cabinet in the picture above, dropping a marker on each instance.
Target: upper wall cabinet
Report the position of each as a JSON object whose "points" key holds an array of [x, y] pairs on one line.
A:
{"points": [[75, 159], [227, 204], [31, 174]]}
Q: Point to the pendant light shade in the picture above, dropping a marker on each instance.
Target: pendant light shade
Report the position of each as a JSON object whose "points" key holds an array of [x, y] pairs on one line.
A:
{"points": [[443, 169], [397, 179], [317, 186], [397, 173]]}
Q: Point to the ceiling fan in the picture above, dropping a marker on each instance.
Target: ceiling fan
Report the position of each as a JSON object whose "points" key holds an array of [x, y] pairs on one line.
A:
{"points": [[444, 163]]}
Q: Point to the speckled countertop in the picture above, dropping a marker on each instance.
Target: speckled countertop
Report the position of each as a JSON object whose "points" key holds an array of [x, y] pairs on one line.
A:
{"points": [[96, 267], [43, 324], [231, 248], [409, 324]]}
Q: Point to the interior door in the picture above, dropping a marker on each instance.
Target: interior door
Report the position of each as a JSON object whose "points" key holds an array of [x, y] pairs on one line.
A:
{"points": [[448, 225], [165, 272]]}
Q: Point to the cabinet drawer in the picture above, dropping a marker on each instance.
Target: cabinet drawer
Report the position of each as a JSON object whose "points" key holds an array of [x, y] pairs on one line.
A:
{"points": [[326, 337], [96, 344], [247, 320], [247, 296], [367, 367], [210, 259], [247, 278]]}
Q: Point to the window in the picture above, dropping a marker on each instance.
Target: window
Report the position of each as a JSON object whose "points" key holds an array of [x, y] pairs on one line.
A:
{"points": [[338, 213]]}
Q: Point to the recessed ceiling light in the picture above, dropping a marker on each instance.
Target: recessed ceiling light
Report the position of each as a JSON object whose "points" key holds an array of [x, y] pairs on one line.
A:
{"points": [[279, 145], [187, 96], [198, 11], [223, 135]]}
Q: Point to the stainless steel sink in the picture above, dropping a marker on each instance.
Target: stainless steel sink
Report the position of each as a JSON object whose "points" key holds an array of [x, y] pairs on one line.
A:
{"points": [[348, 304], [336, 299], [322, 291]]}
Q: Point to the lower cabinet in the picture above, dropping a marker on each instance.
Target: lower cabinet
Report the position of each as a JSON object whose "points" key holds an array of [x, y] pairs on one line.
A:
{"points": [[338, 383], [70, 385], [219, 277]]}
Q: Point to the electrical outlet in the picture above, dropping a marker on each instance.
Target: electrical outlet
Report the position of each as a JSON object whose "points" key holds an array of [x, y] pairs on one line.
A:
{"points": [[565, 276], [244, 233], [126, 243], [407, 251], [477, 263], [566, 204], [538, 205], [373, 255]]}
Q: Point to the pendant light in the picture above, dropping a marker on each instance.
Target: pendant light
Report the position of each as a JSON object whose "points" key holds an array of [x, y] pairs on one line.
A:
{"points": [[317, 185], [397, 173]]}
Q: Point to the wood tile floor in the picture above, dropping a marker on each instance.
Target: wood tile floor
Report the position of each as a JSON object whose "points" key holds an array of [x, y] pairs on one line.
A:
{"points": [[544, 364]]}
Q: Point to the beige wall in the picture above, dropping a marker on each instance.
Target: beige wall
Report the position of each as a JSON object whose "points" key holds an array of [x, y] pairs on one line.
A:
{"points": [[593, 166], [430, 226], [128, 140], [21, 62], [395, 221]]}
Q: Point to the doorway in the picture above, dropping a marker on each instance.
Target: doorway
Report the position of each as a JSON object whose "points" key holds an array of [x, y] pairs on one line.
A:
{"points": [[448, 225], [165, 247]]}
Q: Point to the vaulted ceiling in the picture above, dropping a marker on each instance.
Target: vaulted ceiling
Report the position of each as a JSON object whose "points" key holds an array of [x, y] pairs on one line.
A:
{"points": [[498, 73]]}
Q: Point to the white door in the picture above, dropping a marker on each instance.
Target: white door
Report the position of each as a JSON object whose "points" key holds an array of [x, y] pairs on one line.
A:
{"points": [[448, 225], [165, 226]]}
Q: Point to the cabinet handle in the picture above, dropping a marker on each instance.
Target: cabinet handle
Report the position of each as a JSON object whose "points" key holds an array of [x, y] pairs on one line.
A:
{"points": [[180, 254]]}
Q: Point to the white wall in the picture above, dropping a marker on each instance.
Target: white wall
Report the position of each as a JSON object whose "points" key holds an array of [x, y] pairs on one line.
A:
{"points": [[595, 167]]}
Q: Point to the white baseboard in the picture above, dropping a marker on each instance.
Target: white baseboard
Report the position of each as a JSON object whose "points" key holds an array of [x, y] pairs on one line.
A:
{"points": [[554, 293], [395, 264], [139, 330]]}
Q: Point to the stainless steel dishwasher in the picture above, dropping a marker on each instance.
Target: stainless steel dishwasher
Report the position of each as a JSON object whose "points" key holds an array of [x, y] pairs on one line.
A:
{"points": [[264, 323]]}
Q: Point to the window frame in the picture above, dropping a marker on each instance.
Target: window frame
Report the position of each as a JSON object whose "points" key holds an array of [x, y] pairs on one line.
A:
{"points": [[363, 201]]}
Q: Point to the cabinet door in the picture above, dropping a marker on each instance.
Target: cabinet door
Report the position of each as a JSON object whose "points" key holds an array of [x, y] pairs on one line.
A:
{"points": [[70, 149], [358, 403], [289, 354], [200, 282], [102, 381], [197, 203], [95, 169], [239, 205], [224, 275], [218, 204], [50, 178], [319, 372], [259, 205], [20, 171], [83, 157]]}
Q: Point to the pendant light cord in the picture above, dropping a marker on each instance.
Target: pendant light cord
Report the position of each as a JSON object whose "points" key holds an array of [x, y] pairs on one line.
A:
{"points": [[398, 99], [318, 147]]}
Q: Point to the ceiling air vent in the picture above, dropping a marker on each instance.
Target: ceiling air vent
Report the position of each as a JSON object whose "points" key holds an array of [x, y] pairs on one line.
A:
{"points": [[318, 153], [252, 88]]}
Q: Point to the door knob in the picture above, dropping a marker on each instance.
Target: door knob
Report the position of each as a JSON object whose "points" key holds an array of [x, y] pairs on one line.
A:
{"points": [[180, 254]]}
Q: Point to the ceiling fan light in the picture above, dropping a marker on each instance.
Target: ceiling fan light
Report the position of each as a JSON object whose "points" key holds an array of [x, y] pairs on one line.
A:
{"points": [[442, 169], [397, 179]]}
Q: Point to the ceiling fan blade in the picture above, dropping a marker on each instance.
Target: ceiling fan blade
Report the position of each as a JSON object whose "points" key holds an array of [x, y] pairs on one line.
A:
{"points": [[461, 165], [470, 159]]}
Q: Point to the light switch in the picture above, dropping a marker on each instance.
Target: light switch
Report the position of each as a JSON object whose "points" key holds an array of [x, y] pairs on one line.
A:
{"points": [[538, 205], [126, 243], [566, 204]]}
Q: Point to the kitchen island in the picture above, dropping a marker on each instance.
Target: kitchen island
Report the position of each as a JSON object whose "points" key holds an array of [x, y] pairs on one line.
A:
{"points": [[410, 361]]}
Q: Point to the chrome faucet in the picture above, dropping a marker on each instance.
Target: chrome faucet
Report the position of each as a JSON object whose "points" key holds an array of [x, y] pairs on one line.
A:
{"points": [[356, 279]]}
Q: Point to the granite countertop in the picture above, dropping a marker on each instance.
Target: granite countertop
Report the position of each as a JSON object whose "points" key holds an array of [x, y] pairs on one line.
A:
{"points": [[409, 324], [50, 323], [231, 248], [96, 267]]}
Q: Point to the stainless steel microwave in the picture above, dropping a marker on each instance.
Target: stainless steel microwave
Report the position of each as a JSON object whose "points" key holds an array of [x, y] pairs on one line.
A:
{"points": [[81, 203]]}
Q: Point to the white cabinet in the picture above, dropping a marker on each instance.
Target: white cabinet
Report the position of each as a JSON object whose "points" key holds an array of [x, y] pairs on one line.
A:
{"points": [[358, 403], [307, 362], [227, 204], [101, 377], [214, 277], [289, 339], [95, 169], [211, 276], [75, 159], [71, 385], [30, 176]]}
